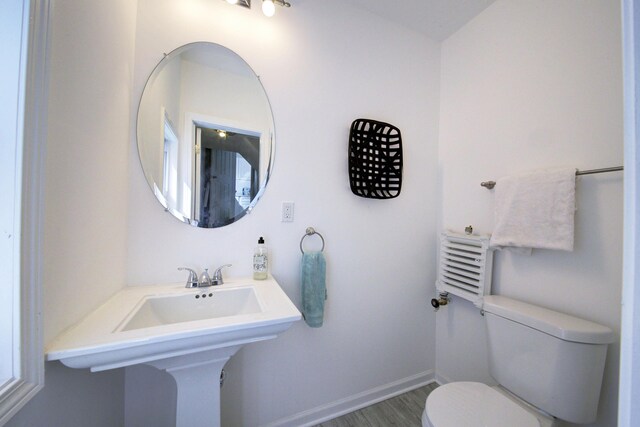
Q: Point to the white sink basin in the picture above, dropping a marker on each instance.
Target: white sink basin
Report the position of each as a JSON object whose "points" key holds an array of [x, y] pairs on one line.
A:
{"points": [[165, 310], [185, 332], [145, 323]]}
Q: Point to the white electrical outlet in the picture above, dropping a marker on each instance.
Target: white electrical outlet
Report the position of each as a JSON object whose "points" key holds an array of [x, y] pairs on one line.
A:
{"points": [[287, 211]]}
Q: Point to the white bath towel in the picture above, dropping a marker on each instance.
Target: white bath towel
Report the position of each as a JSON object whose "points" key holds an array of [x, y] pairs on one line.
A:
{"points": [[535, 210]]}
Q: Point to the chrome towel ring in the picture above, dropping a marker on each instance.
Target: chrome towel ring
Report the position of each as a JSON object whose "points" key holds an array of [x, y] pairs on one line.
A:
{"points": [[310, 232]]}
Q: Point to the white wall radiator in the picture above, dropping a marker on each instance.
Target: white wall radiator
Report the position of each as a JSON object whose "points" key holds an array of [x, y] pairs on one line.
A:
{"points": [[465, 266]]}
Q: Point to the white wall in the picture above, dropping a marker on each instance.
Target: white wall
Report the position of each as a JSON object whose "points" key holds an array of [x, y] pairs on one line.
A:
{"points": [[75, 398], [86, 181], [323, 65], [529, 85], [87, 151]]}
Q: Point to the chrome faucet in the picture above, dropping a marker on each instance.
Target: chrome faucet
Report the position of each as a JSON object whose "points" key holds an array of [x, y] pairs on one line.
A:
{"points": [[217, 276], [205, 280]]}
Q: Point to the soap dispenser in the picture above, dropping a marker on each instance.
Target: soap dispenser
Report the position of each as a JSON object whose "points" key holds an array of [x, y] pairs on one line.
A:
{"points": [[260, 260]]}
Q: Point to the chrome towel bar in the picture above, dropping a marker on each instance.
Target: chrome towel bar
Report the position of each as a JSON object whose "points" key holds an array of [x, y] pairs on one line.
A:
{"points": [[490, 184]]}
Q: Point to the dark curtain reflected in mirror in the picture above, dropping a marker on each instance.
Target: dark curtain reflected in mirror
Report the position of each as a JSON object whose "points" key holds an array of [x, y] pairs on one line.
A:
{"points": [[228, 178]]}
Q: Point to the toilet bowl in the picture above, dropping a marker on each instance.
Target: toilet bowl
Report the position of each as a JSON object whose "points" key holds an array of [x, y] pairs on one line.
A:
{"points": [[471, 404], [551, 361]]}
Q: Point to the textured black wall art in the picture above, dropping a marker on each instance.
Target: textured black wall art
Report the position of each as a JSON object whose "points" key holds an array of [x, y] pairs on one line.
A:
{"points": [[375, 159]]}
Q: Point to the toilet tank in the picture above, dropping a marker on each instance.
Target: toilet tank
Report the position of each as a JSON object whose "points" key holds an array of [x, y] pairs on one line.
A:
{"points": [[549, 359]]}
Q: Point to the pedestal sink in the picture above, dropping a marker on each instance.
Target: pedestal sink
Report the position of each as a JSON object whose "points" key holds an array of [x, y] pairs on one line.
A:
{"points": [[189, 333]]}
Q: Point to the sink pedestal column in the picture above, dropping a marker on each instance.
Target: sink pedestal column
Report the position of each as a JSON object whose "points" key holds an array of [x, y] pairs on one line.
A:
{"points": [[197, 379]]}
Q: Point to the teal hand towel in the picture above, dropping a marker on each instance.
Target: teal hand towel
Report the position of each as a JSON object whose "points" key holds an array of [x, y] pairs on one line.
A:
{"points": [[314, 291]]}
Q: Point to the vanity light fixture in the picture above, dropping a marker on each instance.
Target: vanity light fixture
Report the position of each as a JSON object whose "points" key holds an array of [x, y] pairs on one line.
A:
{"points": [[269, 6], [243, 3]]}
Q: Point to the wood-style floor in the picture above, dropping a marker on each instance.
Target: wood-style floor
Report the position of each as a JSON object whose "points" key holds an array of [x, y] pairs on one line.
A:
{"points": [[404, 410]]}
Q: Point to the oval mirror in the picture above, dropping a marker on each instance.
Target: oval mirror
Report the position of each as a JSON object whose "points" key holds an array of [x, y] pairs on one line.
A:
{"points": [[205, 135]]}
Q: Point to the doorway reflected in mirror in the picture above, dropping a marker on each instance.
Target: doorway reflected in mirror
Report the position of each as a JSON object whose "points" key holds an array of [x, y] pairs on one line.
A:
{"points": [[227, 165]]}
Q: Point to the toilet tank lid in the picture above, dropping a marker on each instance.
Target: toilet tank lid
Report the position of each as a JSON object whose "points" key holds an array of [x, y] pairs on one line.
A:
{"points": [[560, 325]]}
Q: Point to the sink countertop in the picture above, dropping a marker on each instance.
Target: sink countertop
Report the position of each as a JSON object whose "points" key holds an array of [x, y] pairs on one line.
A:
{"points": [[99, 333]]}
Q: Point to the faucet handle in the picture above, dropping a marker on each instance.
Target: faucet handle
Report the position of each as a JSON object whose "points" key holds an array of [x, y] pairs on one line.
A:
{"points": [[217, 275], [192, 281]]}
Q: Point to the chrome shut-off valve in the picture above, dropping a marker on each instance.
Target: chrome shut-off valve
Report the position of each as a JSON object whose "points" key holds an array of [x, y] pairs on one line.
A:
{"points": [[442, 300]]}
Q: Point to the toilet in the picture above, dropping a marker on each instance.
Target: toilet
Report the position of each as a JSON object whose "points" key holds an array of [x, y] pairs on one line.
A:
{"points": [[548, 366]]}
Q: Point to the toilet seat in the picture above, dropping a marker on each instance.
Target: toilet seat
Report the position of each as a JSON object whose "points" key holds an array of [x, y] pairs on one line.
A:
{"points": [[467, 404]]}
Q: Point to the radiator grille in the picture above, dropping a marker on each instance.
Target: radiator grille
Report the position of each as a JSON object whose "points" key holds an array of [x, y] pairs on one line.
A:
{"points": [[465, 266]]}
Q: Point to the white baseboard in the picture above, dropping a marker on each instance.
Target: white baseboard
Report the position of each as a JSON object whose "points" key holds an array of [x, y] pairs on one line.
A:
{"points": [[442, 379], [352, 403]]}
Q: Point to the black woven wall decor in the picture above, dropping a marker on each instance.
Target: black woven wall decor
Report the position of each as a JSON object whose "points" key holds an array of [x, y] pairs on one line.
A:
{"points": [[375, 159]]}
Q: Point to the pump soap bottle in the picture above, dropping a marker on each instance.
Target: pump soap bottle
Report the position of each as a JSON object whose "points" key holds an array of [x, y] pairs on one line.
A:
{"points": [[260, 261]]}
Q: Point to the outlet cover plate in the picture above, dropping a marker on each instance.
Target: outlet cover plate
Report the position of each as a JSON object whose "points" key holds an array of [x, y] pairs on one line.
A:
{"points": [[287, 211]]}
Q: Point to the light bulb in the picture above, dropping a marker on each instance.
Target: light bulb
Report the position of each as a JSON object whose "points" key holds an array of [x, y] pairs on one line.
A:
{"points": [[268, 8], [232, 1], [222, 134]]}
